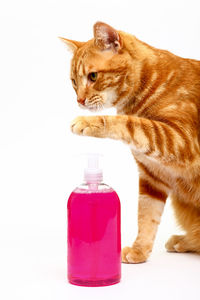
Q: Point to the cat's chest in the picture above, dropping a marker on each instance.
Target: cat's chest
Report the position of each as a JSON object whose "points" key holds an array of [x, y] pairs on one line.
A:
{"points": [[152, 167]]}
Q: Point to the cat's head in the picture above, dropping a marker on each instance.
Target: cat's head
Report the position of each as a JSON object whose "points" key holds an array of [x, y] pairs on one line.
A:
{"points": [[100, 68]]}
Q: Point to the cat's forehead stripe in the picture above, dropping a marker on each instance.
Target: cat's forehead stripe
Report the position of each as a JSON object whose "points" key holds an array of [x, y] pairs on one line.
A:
{"points": [[80, 71], [80, 63]]}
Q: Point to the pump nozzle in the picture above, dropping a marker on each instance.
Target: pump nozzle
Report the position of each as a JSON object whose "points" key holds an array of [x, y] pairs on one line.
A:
{"points": [[93, 174]]}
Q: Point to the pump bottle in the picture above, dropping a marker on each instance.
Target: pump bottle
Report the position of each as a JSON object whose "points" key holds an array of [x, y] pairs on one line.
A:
{"points": [[94, 235]]}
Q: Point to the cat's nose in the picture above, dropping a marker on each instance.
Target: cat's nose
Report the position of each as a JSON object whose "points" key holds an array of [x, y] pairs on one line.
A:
{"points": [[81, 100]]}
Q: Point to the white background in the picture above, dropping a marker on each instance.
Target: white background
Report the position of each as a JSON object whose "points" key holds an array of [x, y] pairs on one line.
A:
{"points": [[39, 159]]}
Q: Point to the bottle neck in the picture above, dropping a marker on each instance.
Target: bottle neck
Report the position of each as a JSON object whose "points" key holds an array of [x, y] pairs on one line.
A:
{"points": [[93, 177], [93, 186]]}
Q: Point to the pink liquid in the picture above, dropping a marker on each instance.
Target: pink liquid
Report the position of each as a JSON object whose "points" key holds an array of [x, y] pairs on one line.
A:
{"points": [[94, 238]]}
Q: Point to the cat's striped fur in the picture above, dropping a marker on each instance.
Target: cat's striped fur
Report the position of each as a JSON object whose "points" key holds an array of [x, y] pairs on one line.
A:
{"points": [[157, 98]]}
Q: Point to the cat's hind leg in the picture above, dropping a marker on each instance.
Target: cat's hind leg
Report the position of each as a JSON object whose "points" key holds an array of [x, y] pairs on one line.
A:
{"points": [[184, 243], [188, 216], [176, 243]]}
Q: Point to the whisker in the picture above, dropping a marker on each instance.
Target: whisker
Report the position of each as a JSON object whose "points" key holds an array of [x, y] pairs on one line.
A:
{"points": [[95, 105]]}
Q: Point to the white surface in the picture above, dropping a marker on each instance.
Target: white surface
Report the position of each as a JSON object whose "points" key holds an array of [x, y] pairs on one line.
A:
{"points": [[39, 166]]}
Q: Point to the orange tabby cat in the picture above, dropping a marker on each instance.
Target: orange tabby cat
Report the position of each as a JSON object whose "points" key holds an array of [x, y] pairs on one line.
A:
{"points": [[157, 98]]}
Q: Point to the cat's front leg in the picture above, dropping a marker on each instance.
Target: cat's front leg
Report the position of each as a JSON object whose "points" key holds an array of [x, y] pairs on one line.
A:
{"points": [[152, 197], [114, 127], [101, 126], [163, 140]]}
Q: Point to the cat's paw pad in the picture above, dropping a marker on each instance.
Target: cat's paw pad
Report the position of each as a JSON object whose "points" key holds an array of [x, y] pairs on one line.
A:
{"points": [[176, 244], [134, 255]]}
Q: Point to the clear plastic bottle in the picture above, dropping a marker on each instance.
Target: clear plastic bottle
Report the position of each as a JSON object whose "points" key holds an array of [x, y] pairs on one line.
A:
{"points": [[94, 231]]}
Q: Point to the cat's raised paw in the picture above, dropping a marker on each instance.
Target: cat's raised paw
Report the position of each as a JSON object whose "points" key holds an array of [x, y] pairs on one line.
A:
{"points": [[78, 125], [89, 126], [134, 255]]}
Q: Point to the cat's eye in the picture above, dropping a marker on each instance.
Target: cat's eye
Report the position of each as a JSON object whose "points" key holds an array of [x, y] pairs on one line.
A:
{"points": [[92, 76]]}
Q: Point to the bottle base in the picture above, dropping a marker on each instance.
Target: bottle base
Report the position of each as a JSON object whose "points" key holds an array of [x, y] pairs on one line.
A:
{"points": [[94, 283]]}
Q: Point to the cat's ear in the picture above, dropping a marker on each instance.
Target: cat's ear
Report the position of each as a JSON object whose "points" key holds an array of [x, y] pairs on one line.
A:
{"points": [[106, 37], [71, 45]]}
